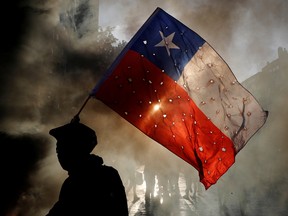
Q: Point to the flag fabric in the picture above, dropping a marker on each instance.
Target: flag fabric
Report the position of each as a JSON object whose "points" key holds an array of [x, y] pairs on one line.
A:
{"points": [[174, 87]]}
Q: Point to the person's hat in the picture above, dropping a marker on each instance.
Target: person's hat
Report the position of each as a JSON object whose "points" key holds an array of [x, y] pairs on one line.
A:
{"points": [[75, 135]]}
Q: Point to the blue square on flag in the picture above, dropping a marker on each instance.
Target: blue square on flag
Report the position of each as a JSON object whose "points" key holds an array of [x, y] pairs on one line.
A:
{"points": [[174, 87]]}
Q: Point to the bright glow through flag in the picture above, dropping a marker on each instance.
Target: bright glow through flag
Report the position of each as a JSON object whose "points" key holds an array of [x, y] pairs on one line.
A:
{"points": [[172, 85]]}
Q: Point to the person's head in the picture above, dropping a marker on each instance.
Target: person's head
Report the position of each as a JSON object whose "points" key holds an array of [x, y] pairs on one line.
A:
{"points": [[75, 141]]}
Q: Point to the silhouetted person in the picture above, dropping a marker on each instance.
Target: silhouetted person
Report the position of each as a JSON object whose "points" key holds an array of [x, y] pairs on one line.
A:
{"points": [[132, 181], [91, 188], [188, 181]]}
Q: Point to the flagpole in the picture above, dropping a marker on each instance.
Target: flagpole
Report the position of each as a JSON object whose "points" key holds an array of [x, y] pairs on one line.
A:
{"points": [[76, 117]]}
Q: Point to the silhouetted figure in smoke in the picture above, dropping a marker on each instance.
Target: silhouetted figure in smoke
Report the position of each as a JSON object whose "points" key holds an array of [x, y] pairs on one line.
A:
{"points": [[91, 188], [188, 181], [132, 180], [193, 188], [149, 177]]}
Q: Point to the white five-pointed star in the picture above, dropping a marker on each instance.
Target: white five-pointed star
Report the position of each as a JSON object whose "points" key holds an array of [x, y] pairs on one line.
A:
{"points": [[167, 42]]}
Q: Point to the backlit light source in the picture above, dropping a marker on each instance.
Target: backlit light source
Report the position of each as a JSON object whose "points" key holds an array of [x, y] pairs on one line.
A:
{"points": [[156, 107]]}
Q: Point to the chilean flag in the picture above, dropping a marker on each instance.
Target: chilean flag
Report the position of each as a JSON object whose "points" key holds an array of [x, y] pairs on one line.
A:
{"points": [[174, 87]]}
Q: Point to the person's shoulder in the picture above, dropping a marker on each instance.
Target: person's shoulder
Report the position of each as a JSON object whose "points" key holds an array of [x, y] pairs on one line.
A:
{"points": [[105, 169], [109, 168]]}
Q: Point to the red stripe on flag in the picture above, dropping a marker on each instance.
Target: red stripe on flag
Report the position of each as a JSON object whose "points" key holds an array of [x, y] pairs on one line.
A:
{"points": [[150, 100]]}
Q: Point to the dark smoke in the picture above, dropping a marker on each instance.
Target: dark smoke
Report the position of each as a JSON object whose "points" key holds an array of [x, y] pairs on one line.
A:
{"points": [[19, 160]]}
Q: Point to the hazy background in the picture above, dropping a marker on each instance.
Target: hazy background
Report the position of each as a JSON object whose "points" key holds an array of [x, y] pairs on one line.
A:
{"points": [[246, 33], [53, 53]]}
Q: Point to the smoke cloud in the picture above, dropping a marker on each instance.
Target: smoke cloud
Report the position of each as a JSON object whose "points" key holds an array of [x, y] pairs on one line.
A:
{"points": [[245, 33], [54, 52]]}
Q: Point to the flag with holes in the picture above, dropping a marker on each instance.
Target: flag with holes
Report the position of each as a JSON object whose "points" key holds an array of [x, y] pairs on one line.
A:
{"points": [[174, 87]]}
